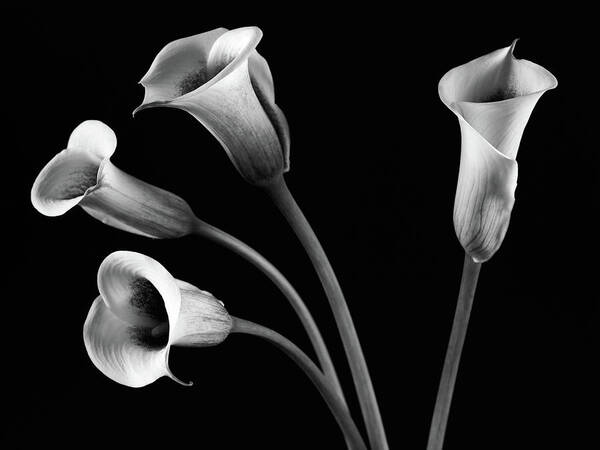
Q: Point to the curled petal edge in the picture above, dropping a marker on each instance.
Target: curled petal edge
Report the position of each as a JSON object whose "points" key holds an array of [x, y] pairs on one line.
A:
{"points": [[217, 57], [117, 273], [70, 174], [109, 344], [64, 181], [162, 81]]}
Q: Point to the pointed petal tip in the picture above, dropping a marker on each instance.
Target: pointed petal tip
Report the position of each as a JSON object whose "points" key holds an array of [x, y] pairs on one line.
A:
{"points": [[178, 381], [137, 110], [170, 374], [149, 105]]}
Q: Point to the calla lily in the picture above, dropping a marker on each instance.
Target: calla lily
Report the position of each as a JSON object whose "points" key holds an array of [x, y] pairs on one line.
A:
{"points": [[83, 174], [220, 79], [141, 311], [493, 97]]}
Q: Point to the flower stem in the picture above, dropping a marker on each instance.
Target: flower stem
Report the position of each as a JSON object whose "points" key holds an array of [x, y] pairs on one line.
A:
{"points": [[322, 383], [466, 295], [283, 199], [214, 234]]}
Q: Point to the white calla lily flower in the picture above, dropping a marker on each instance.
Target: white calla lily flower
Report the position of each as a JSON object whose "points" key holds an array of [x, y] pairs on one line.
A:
{"points": [[220, 79], [83, 175], [140, 313], [493, 97]]}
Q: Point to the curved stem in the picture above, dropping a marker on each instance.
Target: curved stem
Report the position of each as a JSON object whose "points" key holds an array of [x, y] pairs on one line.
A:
{"points": [[337, 407], [284, 200], [464, 304], [214, 234]]}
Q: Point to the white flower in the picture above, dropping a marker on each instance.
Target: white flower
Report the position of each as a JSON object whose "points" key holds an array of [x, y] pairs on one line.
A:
{"points": [[141, 311], [84, 175], [220, 79], [493, 97]]}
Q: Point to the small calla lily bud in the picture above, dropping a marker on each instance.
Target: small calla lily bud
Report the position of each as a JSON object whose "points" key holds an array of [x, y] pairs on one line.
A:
{"points": [[220, 79], [83, 175], [493, 97], [140, 313]]}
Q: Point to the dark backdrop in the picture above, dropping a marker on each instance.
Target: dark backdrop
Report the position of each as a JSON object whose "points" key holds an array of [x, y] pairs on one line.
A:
{"points": [[374, 166]]}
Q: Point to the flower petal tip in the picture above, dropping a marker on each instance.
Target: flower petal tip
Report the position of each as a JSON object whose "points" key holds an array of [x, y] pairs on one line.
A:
{"points": [[170, 374], [149, 105], [512, 46], [178, 381], [137, 110], [142, 107]]}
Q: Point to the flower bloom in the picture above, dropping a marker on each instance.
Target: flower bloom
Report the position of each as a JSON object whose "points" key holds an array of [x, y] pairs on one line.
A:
{"points": [[493, 97], [141, 311], [220, 79], [84, 175]]}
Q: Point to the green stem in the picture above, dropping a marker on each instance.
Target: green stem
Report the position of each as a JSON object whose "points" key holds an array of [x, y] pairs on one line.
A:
{"points": [[464, 304], [322, 383], [214, 234], [284, 200]]}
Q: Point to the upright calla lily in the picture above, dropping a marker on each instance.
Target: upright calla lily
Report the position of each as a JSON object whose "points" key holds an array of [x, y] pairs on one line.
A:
{"points": [[141, 311], [83, 174], [220, 79], [493, 97]]}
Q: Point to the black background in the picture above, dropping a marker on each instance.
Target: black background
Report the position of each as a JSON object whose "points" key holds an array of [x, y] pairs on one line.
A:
{"points": [[374, 165]]}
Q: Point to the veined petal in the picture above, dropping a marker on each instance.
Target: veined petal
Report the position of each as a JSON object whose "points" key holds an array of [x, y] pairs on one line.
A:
{"points": [[232, 113], [127, 203], [262, 82], [63, 182], [221, 96], [179, 68], [130, 341], [141, 312], [120, 350], [203, 320], [484, 195], [493, 97]]}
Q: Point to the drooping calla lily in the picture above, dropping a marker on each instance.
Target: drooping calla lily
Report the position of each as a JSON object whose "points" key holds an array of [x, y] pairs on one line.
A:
{"points": [[220, 79], [140, 313], [493, 97], [83, 175]]}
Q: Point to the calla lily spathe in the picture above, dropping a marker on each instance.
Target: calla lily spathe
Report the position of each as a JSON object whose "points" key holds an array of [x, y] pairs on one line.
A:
{"points": [[493, 97], [140, 313], [83, 174], [220, 79]]}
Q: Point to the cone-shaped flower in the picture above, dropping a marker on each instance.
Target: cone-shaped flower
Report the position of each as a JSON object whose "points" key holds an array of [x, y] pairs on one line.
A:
{"points": [[220, 79], [83, 174], [493, 97], [141, 311]]}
